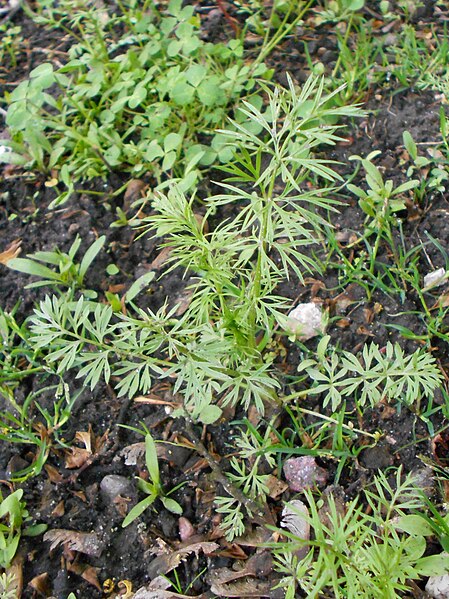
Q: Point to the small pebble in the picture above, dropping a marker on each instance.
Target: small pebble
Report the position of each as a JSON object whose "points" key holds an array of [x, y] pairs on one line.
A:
{"points": [[306, 321], [113, 485], [438, 586], [303, 473], [435, 278]]}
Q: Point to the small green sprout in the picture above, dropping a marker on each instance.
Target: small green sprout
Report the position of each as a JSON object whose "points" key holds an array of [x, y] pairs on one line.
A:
{"points": [[153, 488], [380, 202], [12, 517], [66, 273]]}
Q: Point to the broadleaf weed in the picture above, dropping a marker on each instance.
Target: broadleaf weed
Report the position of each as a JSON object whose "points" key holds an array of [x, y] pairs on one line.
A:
{"points": [[143, 102]]}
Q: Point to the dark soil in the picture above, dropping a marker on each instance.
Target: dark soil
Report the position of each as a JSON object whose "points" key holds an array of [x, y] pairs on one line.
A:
{"points": [[75, 498]]}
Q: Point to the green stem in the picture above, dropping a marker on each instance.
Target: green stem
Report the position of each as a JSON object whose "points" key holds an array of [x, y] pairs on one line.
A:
{"points": [[19, 375], [262, 246], [345, 42], [282, 31], [334, 421]]}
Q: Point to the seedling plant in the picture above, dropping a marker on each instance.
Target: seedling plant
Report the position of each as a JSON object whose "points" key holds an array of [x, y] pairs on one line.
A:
{"points": [[140, 103], [216, 348], [142, 93], [153, 487], [13, 515]]}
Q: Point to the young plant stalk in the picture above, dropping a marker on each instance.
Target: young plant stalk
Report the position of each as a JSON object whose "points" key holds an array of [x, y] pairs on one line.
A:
{"points": [[211, 350]]}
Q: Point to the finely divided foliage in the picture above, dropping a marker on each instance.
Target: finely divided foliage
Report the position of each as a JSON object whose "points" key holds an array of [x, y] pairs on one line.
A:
{"points": [[359, 553], [388, 373], [214, 351], [143, 93]]}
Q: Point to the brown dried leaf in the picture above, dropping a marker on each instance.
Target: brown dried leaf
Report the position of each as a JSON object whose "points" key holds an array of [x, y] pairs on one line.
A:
{"points": [[260, 564], [117, 288], [92, 446], [232, 550], [77, 457], [85, 437], [167, 562], [414, 211], [186, 529], [345, 299], [435, 153], [247, 587], [343, 323], [440, 449], [183, 301], [133, 192], [442, 301], [59, 510], [155, 400], [40, 584], [225, 575], [84, 542], [53, 474], [362, 330], [254, 416], [88, 573], [368, 315], [275, 486], [122, 505], [161, 259], [255, 537], [346, 237], [81, 495], [338, 496], [12, 251]]}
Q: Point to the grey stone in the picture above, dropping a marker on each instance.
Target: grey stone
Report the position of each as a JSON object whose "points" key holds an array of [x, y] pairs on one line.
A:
{"points": [[113, 485]]}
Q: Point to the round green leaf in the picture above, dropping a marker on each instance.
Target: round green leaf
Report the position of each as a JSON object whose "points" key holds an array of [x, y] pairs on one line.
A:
{"points": [[210, 414], [195, 74], [153, 151], [112, 269], [172, 141], [182, 93], [169, 161]]}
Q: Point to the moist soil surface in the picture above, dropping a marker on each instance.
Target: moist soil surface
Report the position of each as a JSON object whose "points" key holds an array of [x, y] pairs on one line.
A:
{"points": [[88, 486]]}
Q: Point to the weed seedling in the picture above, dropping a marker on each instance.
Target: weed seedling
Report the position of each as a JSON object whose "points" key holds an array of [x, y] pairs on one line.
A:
{"points": [[153, 487], [431, 170], [147, 102], [67, 273], [389, 374], [11, 39], [13, 515], [380, 202]]}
